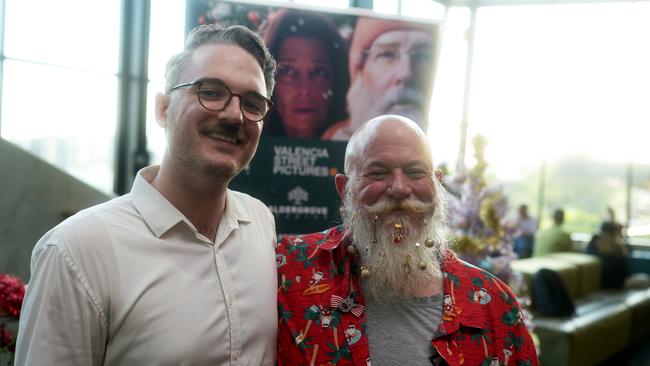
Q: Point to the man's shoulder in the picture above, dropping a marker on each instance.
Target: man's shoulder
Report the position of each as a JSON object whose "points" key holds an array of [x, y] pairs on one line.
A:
{"points": [[249, 204], [332, 236], [471, 276], [245, 197], [245, 200], [89, 224], [313, 245], [461, 268]]}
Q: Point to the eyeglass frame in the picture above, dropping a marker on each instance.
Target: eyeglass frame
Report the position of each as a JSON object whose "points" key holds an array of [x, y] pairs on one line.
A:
{"points": [[199, 82]]}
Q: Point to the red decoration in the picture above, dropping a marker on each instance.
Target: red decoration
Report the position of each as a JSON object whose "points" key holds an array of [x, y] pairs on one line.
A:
{"points": [[12, 291]]}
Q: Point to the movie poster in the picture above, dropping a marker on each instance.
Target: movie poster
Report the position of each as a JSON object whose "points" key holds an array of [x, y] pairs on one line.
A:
{"points": [[336, 70]]}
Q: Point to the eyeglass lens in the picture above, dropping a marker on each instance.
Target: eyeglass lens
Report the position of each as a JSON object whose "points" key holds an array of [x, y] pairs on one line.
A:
{"points": [[389, 55], [216, 96]]}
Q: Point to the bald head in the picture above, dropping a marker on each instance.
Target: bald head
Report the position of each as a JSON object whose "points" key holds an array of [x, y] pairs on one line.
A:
{"points": [[384, 129]]}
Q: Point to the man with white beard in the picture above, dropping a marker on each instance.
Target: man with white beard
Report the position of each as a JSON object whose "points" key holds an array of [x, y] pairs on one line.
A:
{"points": [[391, 65], [391, 288]]}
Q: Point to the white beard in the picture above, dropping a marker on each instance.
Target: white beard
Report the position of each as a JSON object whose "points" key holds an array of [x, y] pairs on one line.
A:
{"points": [[393, 267], [364, 105]]}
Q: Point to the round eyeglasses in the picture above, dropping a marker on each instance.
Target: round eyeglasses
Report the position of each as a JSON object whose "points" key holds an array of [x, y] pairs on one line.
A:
{"points": [[215, 96]]}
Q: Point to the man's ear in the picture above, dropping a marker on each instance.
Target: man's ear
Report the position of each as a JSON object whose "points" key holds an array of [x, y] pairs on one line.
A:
{"points": [[162, 105], [341, 180], [439, 175]]}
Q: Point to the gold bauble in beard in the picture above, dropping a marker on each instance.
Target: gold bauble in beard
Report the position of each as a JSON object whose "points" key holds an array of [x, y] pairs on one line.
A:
{"points": [[352, 250], [365, 272], [398, 233]]}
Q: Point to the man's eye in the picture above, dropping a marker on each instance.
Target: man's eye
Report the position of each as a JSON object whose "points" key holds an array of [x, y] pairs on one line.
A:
{"points": [[253, 106], [387, 55], [209, 93], [377, 174], [423, 56], [416, 173]]}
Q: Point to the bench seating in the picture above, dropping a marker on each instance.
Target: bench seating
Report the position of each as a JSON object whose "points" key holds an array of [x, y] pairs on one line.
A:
{"points": [[605, 323]]}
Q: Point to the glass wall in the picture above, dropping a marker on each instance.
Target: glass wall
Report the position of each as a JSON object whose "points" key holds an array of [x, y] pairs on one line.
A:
{"points": [[59, 85], [166, 39], [560, 92]]}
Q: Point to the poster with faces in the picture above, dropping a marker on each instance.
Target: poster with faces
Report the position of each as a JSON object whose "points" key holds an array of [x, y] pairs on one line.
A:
{"points": [[336, 70]]}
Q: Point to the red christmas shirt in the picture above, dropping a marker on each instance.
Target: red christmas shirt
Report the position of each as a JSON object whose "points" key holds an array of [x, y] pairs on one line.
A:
{"points": [[322, 311]]}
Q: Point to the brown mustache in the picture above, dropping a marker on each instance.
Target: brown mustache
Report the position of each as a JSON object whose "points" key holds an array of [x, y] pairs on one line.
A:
{"points": [[228, 130]]}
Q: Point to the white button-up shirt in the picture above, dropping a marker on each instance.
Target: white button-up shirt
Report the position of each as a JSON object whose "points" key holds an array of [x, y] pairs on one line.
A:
{"points": [[132, 282]]}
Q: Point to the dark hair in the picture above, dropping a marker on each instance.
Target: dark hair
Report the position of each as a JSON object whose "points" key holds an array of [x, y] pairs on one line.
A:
{"points": [[558, 216], [213, 34], [612, 228], [311, 25]]}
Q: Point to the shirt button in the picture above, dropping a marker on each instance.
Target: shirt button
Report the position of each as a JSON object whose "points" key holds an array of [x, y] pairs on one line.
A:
{"points": [[235, 355]]}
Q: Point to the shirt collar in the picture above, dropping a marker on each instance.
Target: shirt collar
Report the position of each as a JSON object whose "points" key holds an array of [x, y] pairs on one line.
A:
{"points": [[160, 215], [236, 207], [333, 238], [235, 214]]}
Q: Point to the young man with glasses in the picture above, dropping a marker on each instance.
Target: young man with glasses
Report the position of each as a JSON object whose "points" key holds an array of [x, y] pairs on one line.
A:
{"points": [[391, 72], [182, 269]]}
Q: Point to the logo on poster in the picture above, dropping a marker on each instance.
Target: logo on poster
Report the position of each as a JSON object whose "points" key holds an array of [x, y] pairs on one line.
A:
{"points": [[298, 196]]}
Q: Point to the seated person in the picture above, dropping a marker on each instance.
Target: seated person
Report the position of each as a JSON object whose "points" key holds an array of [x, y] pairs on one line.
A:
{"points": [[525, 227], [609, 246], [554, 239]]}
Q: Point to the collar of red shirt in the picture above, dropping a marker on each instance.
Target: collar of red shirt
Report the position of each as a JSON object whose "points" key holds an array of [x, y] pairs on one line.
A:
{"points": [[456, 284]]}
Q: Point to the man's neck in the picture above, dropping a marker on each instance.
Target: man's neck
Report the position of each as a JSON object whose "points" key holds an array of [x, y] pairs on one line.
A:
{"points": [[201, 198]]}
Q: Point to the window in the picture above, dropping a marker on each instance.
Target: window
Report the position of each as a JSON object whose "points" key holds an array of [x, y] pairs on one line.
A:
{"points": [[340, 4], [446, 110], [59, 97], [166, 38], [571, 97]]}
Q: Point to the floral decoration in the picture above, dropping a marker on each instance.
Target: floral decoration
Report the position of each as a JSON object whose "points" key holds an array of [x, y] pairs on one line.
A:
{"points": [[477, 217], [12, 291]]}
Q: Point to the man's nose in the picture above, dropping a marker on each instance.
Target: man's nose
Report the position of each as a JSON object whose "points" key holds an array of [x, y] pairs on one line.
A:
{"points": [[233, 111], [404, 68], [399, 187]]}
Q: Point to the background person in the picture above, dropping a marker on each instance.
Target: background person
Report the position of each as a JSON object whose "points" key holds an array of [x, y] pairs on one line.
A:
{"points": [[554, 239], [385, 284], [391, 72], [525, 229], [609, 246], [312, 76], [180, 270]]}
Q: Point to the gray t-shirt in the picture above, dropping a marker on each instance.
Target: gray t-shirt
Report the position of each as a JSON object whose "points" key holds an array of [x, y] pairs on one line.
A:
{"points": [[400, 331]]}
